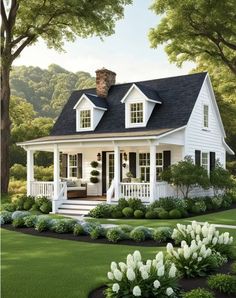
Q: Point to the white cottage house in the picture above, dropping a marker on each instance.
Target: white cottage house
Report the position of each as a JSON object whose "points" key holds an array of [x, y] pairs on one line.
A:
{"points": [[133, 131]]}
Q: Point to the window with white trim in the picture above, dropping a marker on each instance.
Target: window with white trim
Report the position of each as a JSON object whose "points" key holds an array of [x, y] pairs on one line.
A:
{"points": [[159, 165], [85, 118], [205, 161], [205, 116], [72, 165], [144, 166], [136, 113]]}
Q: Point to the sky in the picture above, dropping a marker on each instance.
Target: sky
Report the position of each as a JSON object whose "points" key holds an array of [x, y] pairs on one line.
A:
{"points": [[127, 52]]}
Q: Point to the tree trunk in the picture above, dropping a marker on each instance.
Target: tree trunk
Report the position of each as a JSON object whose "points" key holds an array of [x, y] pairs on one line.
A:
{"points": [[5, 126]]}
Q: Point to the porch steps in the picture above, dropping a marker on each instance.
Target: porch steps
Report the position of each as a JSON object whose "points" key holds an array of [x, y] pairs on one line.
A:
{"points": [[77, 207]]}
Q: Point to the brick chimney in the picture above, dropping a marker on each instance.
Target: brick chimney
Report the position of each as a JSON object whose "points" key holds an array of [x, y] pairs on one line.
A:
{"points": [[104, 80]]}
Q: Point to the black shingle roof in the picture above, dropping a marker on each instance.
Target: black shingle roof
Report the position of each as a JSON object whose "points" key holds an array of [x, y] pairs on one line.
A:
{"points": [[149, 92], [178, 96], [97, 101]]}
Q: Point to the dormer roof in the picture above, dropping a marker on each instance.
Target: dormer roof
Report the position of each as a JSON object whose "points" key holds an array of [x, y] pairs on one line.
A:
{"points": [[97, 102]]}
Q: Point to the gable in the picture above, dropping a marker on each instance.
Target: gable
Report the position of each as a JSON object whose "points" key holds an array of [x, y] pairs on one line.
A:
{"points": [[178, 95]]}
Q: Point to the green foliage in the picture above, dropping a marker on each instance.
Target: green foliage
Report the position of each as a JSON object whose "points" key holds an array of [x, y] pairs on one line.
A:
{"points": [[30, 221], [62, 225], [42, 224], [137, 234], [162, 234], [167, 203], [135, 204], [220, 179], [11, 207], [198, 293], [94, 164], [18, 222], [224, 283], [6, 216], [101, 211], [152, 214], [94, 180], [138, 214], [43, 173], [17, 187], [28, 203], [191, 34], [115, 234], [20, 214], [128, 212], [116, 213], [226, 201], [233, 268], [94, 173], [46, 207], [97, 232], [78, 229], [175, 213], [122, 203], [163, 214], [18, 171], [185, 175]]}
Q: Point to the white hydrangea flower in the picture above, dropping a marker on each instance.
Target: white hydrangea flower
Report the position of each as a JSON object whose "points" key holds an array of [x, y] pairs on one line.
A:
{"points": [[156, 284], [115, 288], [159, 256], [110, 275], [113, 266], [137, 291], [198, 229], [159, 264], [137, 256], [144, 275], [231, 239], [214, 240], [172, 272], [169, 291], [117, 274], [123, 266], [199, 259], [161, 271], [194, 256], [169, 247], [192, 234], [130, 274], [187, 252], [154, 263]]}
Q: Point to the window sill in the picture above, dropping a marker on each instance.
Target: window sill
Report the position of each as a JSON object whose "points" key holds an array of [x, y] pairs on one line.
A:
{"points": [[205, 129]]}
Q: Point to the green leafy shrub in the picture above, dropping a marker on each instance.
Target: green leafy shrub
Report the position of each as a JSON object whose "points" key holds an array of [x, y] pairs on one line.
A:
{"points": [[128, 212], [122, 203], [94, 164], [28, 203], [40, 200], [198, 293], [19, 214], [151, 214], [19, 202], [18, 171], [162, 234], [46, 207], [163, 214], [216, 202], [226, 201], [137, 235], [196, 209], [94, 173], [42, 224], [168, 203], [154, 205], [126, 228], [224, 283], [94, 180], [78, 229], [63, 225], [11, 207], [233, 268], [138, 214], [43, 173], [115, 234], [34, 208], [201, 205], [17, 187], [97, 232], [116, 213], [30, 221], [175, 213], [6, 216], [101, 211], [18, 222], [136, 204], [89, 226]]}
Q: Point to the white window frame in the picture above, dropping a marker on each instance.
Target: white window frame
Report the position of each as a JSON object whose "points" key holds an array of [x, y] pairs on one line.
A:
{"points": [[136, 112], [146, 166], [79, 119], [128, 104], [160, 166], [206, 166], [203, 116], [69, 167]]}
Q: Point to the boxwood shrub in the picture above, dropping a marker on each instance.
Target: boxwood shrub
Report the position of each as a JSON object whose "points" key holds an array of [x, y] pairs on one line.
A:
{"points": [[18, 222], [162, 234], [137, 235], [224, 283], [6, 217], [151, 214], [175, 213], [115, 234], [138, 214], [30, 221], [78, 229], [198, 293], [128, 212]]}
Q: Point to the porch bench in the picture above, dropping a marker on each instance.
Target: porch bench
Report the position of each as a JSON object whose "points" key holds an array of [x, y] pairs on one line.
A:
{"points": [[76, 189]]}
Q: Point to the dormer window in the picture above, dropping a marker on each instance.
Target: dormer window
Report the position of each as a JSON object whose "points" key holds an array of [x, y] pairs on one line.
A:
{"points": [[136, 113], [85, 119], [205, 116]]}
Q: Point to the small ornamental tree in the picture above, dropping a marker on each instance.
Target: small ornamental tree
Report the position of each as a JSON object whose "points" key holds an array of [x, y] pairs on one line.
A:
{"points": [[220, 179], [185, 175]]}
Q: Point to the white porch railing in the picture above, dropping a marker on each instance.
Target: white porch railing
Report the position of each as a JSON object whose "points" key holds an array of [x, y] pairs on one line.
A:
{"points": [[163, 190], [46, 189], [135, 190], [111, 192]]}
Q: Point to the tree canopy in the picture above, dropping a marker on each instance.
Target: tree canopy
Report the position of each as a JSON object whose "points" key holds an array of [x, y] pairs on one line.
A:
{"points": [[192, 30]]}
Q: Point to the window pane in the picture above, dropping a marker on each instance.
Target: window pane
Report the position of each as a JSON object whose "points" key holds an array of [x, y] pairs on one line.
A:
{"points": [[205, 160], [136, 112], [205, 115], [85, 119]]}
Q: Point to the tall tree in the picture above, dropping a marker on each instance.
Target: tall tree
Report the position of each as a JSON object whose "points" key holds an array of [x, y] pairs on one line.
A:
{"points": [[24, 22], [197, 29]]}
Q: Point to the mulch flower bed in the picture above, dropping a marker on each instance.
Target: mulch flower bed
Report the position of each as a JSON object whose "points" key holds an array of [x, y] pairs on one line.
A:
{"points": [[186, 284], [82, 238]]}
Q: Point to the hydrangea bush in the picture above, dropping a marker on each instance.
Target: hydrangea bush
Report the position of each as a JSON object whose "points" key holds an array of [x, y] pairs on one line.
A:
{"points": [[206, 233], [136, 278], [194, 259]]}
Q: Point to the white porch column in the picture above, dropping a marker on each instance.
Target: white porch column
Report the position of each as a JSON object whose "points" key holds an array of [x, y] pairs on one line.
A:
{"points": [[153, 170], [56, 174], [117, 171], [30, 170]]}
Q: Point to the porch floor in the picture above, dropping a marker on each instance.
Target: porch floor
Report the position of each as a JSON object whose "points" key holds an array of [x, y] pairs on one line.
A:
{"points": [[90, 198]]}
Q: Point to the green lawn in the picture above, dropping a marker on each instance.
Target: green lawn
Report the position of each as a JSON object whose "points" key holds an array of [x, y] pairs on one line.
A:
{"points": [[227, 217], [39, 267]]}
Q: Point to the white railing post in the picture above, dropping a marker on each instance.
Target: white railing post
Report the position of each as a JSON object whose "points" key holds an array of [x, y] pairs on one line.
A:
{"points": [[30, 170], [56, 177], [117, 171], [153, 151]]}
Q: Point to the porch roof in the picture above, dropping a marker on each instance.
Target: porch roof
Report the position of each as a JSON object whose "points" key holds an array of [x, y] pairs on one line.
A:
{"points": [[97, 136]]}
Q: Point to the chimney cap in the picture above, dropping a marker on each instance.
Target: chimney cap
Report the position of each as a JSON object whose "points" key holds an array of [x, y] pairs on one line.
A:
{"points": [[105, 70]]}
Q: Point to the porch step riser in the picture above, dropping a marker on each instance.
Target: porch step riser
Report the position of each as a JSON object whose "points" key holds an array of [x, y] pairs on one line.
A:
{"points": [[72, 212], [84, 202], [76, 207]]}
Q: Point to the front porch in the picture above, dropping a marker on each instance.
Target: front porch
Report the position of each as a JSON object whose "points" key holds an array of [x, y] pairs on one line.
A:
{"points": [[125, 169]]}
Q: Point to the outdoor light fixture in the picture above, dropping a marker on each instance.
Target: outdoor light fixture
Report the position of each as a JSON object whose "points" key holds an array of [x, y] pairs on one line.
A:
{"points": [[99, 156], [125, 157], [124, 165]]}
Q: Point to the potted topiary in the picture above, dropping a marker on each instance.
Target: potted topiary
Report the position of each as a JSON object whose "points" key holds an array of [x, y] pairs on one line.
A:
{"points": [[129, 175], [94, 164], [94, 179], [94, 173]]}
